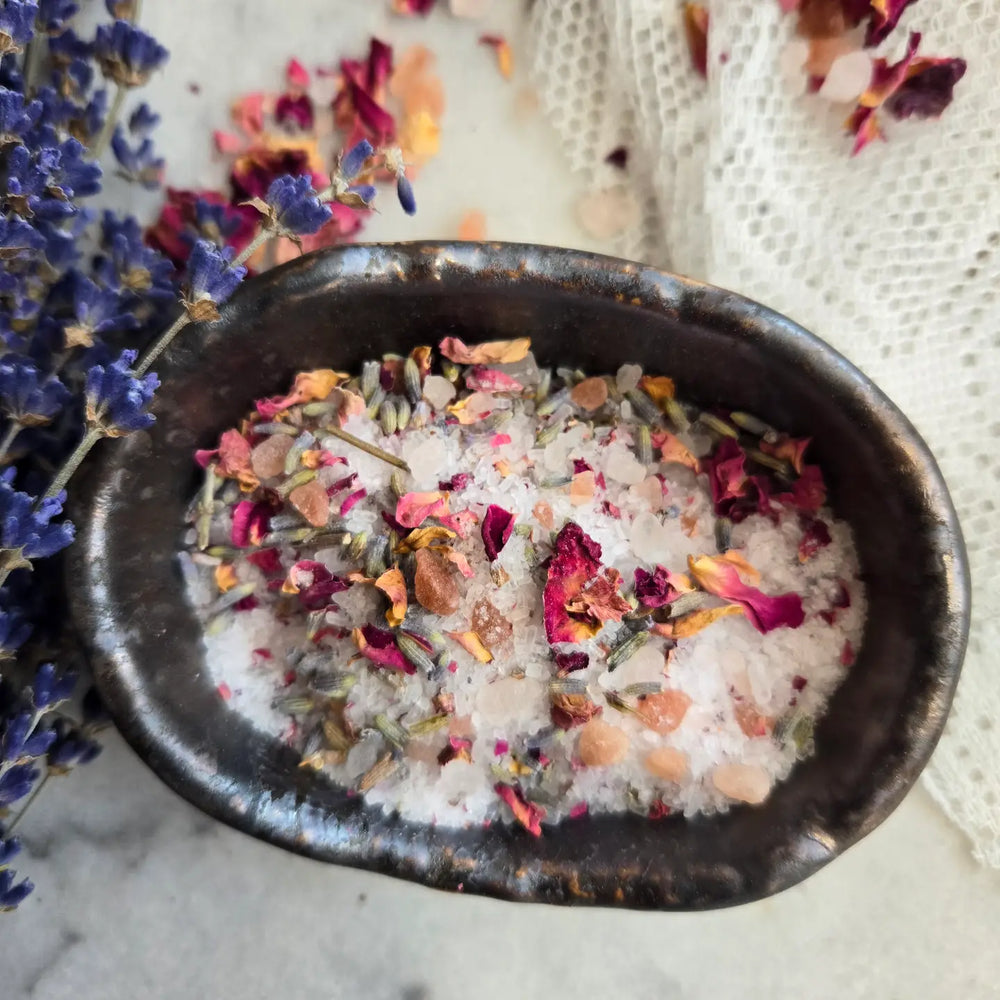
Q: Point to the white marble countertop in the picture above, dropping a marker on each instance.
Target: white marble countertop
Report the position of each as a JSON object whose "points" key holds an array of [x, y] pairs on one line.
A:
{"points": [[141, 896]]}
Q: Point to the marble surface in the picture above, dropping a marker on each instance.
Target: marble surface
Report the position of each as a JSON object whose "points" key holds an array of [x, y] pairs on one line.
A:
{"points": [[141, 896]]}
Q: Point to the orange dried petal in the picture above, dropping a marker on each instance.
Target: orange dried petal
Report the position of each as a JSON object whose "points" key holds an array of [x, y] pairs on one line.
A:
{"points": [[472, 644], [392, 584], [225, 577]]}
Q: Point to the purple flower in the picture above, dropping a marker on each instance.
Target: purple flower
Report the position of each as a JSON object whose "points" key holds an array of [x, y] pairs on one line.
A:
{"points": [[17, 24], [72, 747], [16, 117], [14, 630], [366, 192], [16, 782], [68, 46], [26, 395], [404, 192], [295, 207], [128, 263], [26, 531], [216, 222], [73, 175], [210, 274], [17, 236], [53, 14], [23, 741], [354, 159], [116, 399], [49, 689], [139, 164], [127, 54], [9, 849], [143, 120], [11, 895], [98, 311]]}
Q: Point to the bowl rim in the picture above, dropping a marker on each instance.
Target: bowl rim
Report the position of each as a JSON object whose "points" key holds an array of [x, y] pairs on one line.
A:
{"points": [[349, 265]]}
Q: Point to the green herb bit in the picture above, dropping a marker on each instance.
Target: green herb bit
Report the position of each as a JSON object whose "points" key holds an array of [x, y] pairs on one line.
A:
{"points": [[382, 769], [395, 733], [371, 449], [294, 482], [277, 428], [232, 597], [411, 377], [429, 725], [626, 649], [295, 704], [414, 652], [714, 423]]}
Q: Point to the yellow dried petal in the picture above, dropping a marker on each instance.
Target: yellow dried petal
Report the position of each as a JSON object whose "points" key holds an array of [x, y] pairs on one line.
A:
{"points": [[472, 644], [392, 584], [225, 577]]}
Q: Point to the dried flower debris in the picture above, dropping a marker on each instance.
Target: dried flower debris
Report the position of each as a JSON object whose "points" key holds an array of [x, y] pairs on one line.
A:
{"points": [[481, 588]]}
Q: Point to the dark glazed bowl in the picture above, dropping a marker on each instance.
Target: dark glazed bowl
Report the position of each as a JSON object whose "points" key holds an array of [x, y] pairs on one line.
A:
{"points": [[339, 307]]}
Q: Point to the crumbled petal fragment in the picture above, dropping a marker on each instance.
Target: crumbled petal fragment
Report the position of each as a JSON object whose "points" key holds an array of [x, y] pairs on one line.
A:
{"points": [[379, 646], [496, 352], [496, 528], [393, 585], [526, 813], [575, 562], [765, 613]]}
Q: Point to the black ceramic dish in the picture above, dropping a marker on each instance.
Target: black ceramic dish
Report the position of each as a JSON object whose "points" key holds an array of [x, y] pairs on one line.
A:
{"points": [[339, 307]]}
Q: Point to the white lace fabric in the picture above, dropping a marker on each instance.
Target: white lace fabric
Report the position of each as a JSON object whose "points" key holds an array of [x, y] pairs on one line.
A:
{"points": [[892, 256]]}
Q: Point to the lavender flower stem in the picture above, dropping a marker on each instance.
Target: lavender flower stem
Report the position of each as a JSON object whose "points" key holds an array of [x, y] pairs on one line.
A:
{"points": [[72, 463], [32, 63], [13, 824], [162, 343], [108, 128], [8, 439], [252, 247]]}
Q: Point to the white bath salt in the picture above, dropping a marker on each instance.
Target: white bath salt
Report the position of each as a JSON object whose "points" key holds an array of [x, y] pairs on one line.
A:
{"points": [[648, 687]]}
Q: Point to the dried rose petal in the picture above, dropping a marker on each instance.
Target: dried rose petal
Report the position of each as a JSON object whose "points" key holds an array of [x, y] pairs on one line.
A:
{"points": [[748, 572], [672, 450], [696, 32], [568, 662], [496, 529], [472, 644], [659, 388], [580, 809], [808, 491], [314, 584], [847, 656], [457, 482], [590, 394], [268, 561], [433, 584], [601, 744], [927, 90], [420, 538], [569, 710], [505, 58], [308, 387], [885, 15], [575, 562], [461, 522], [412, 7], [667, 763], [764, 613], [697, 621], [351, 500], [392, 584], [379, 646], [601, 599], [457, 748], [815, 537], [482, 379], [250, 523], [792, 450], [414, 508], [456, 559], [727, 476], [495, 352], [232, 459], [655, 589], [664, 711], [526, 813], [311, 501], [225, 577]]}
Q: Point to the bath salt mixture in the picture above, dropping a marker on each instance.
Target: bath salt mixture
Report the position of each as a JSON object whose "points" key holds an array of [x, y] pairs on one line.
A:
{"points": [[472, 589]]}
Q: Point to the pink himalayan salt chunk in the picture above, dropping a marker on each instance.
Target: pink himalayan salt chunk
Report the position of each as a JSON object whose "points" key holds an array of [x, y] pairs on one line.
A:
{"points": [[461, 726], [493, 628], [742, 782], [663, 712], [581, 489], [650, 491], [601, 744], [311, 501], [268, 458], [668, 763], [590, 394], [433, 584], [543, 514]]}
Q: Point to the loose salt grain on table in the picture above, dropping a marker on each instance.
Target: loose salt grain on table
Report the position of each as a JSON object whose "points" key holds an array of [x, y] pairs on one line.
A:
{"points": [[726, 681]]}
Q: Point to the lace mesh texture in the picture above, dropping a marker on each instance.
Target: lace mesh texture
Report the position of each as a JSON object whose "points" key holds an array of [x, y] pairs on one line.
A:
{"points": [[893, 256]]}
